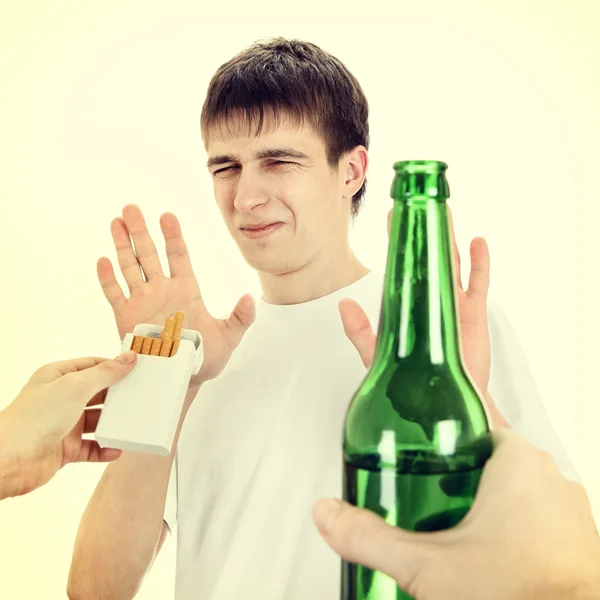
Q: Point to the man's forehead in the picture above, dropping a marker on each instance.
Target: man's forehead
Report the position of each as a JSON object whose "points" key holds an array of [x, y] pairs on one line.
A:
{"points": [[236, 137]]}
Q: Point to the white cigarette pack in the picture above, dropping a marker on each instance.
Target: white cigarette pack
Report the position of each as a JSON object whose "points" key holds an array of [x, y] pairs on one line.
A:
{"points": [[141, 412]]}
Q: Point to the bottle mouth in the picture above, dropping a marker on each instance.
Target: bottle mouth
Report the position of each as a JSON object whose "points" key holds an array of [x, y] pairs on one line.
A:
{"points": [[420, 179], [420, 166]]}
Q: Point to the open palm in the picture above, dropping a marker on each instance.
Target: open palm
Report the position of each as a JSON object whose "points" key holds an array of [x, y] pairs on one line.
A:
{"points": [[153, 297], [472, 309]]}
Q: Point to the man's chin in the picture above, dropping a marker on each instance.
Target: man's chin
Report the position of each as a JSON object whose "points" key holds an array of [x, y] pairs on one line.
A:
{"points": [[270, 262]]}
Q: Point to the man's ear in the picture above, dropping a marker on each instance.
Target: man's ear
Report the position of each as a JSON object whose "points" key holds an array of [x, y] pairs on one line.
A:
{"points": [[356, 163]]}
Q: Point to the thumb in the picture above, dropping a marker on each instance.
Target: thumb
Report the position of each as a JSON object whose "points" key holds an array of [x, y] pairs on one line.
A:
{"points": [[358, 330], [360, 536], [106, 373], [242, 317]]}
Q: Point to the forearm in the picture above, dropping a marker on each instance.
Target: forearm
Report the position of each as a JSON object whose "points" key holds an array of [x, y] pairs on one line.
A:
{"points": [[120, 530]]}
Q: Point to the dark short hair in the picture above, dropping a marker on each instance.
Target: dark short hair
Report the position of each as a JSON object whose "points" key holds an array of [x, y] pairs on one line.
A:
{"points": [[293, 79]]}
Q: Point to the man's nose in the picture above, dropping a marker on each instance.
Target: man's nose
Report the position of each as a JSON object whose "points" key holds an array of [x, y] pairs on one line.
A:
{"points": [[250, 192]]}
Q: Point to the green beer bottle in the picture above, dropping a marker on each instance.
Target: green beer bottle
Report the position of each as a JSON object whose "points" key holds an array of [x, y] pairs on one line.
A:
{"points": [[416, 434]]}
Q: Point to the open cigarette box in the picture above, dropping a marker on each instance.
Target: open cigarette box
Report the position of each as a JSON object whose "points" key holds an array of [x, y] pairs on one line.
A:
{"points": [[141, 412]]}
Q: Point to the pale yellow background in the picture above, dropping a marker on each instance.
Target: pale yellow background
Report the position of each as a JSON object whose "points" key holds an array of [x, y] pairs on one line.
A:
{"points": [[99, 106]]}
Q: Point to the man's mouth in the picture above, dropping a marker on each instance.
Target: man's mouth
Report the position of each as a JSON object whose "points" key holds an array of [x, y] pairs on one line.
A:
{"points": [[260, 230]]}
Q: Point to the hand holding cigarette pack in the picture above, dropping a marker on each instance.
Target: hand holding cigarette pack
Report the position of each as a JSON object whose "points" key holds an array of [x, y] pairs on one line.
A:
{"points": [[141, 412]]}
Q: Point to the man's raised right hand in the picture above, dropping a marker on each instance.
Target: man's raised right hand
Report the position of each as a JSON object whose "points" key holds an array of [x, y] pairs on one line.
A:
{"points": [[153, 297]]}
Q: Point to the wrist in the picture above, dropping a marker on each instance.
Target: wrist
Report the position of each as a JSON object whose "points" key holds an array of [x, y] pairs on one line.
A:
{"points": [[10, 471], [192, 392], [194, 386], [196, 381], [190, 395], [570, 587], [497, 419]]}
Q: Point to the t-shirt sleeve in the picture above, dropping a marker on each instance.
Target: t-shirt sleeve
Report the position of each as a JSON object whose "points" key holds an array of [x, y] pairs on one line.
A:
{"points": [[170, 514], [514, 389]]}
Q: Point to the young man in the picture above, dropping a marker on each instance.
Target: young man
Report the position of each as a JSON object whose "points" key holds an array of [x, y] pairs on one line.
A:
{"points": [[285, 127]]}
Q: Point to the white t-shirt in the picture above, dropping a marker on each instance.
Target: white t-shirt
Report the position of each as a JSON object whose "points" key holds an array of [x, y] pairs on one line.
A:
{"points": [[263, 441]]}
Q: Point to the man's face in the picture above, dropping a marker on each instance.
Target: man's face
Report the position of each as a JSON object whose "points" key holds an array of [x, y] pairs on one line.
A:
{"points": [[280, 199]]}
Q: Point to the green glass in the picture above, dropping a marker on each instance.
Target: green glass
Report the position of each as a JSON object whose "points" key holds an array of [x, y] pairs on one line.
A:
{"points": [[416, 434]]}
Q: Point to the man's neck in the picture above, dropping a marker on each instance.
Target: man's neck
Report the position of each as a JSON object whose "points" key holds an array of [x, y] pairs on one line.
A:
{"points": [[315, 280]]}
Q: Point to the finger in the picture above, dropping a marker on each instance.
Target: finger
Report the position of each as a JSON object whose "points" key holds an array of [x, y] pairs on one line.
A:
{"points": [[360, 536], [180, 264], [110, 286], [241, 318], [92, 416], [130, 267], [97, 399], [358, 330], [509, 450], [85, 384], [455, 252], [479, 279], [55, 370], [91, 451], [389, 222], [507, 465], [145, 249]]}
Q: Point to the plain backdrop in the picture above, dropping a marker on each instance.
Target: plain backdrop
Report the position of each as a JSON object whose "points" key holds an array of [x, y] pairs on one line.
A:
{"points": [[100, 105]]}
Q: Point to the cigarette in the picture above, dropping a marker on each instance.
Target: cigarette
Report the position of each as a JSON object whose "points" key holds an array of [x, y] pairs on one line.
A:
{"points": [[147, 344], [137, 343], [155, 348], [168, 329], [165, 349], [179, 316]]}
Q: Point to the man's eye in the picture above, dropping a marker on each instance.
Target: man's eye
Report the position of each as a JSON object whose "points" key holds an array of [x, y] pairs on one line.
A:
{"points": [[224, 170], [282, 162]]}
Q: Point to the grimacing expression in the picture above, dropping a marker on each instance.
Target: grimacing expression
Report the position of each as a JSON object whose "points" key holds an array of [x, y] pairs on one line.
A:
{"points": [[282, 202]]}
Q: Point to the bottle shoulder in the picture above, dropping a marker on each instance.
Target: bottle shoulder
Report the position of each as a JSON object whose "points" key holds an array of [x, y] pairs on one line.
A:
{"points": [[436, 410], [409, 383]]}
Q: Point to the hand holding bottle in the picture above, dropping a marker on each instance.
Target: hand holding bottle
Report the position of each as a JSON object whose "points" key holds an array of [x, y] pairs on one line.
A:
{"points": [[529, 534]]}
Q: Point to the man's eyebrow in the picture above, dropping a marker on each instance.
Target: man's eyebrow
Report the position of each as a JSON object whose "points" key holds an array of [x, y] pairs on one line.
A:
{"points": [[219, 160], [282, 152]]}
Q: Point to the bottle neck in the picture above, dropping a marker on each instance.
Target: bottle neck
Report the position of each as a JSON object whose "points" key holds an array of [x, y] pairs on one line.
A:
{"points": [[419, 317]]}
